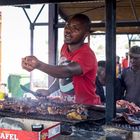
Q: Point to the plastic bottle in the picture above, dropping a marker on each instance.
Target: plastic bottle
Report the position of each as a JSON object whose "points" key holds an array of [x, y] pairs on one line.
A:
{"points": [[2, 91]]}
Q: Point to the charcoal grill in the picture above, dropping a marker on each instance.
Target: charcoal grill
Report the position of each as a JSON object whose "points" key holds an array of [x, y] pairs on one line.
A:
{"points": [[97, 117], [28, 109], [49, 117]]}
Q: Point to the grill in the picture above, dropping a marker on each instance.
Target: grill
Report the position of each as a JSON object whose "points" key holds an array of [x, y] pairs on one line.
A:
{"points": [[92, 128], [126, 121], [94, 116], [94, 122], [49, 117], [125, 126], [33, 110]]}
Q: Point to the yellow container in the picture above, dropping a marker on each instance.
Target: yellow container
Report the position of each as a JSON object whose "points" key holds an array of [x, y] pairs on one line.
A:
{"points": [[2, 95]]}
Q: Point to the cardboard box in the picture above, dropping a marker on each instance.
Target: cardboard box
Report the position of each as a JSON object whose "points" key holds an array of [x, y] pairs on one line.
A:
{"points": [[51, 130]]}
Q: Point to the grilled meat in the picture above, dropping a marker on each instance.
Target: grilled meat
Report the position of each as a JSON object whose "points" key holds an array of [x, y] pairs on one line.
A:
{"points": [[132, 107], [46, 107], [76, 116]]}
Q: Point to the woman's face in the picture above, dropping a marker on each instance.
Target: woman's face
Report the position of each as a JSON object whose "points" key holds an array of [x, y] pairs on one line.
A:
{"points": [[74, 32]]}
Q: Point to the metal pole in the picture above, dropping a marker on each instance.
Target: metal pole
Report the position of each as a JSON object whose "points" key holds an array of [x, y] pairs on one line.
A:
{"points": [[110, 59], [32, 26], [53, 37]]}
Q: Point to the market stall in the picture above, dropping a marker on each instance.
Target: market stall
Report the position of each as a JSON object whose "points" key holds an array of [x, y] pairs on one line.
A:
{"points": [[77, 121]]}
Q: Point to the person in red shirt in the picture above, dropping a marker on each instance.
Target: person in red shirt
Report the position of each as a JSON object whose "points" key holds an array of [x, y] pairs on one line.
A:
{"points": [[76, 73], [125, 62]]}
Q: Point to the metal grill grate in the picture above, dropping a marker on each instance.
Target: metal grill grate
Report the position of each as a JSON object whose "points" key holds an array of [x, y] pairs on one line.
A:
{"points": [[124, 126], [36, 116], [126, 121]]}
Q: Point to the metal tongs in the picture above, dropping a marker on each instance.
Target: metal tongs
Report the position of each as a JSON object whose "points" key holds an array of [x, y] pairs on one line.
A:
{"points": [[36, 94]]}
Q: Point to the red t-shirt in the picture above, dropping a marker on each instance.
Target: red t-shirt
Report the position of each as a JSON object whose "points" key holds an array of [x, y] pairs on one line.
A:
{"points": [[125, 63], [84, 85]]}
